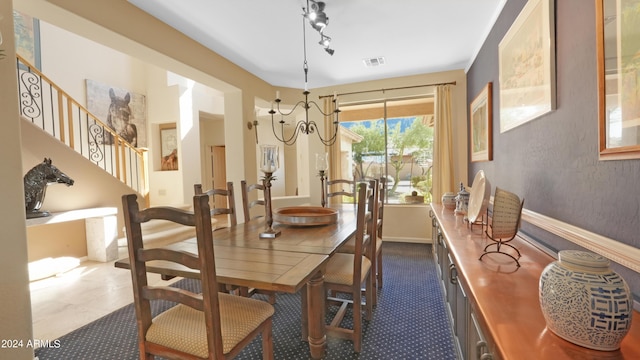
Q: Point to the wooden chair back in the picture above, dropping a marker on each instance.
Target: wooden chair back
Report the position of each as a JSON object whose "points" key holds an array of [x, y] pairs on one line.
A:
{"points": [[203, 261], [361, 275], [382, 193], [340, 187], [373, 210], [247, 204], [193, 329], [362, 236], [231, 202]]}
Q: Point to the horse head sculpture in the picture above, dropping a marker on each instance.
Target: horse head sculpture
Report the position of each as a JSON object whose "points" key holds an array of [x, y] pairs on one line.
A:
{"points": [[35, 186]]}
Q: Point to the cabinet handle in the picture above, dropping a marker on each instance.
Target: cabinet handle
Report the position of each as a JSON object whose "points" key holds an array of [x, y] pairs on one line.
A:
{"points": [[453, 274], [481, 351]]}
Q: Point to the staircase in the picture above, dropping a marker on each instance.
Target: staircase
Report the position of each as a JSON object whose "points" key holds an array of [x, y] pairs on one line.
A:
{"points": [[51, 109], [158, 233]]}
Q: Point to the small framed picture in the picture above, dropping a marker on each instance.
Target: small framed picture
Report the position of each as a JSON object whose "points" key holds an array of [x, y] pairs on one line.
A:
{"points": [[169, 147], [480, 125]]}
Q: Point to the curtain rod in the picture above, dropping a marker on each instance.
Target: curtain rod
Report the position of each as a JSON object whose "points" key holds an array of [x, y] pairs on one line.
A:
{"points": [[383, 89]]}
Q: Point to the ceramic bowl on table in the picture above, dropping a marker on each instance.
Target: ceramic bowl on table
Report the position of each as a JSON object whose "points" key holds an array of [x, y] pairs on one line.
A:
{"points": [[305, 215]]}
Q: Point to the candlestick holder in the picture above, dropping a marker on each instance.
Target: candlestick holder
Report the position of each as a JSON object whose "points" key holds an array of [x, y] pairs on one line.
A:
{"points": [[269, 232], [322, 164], [268, 165], [322, 198]]}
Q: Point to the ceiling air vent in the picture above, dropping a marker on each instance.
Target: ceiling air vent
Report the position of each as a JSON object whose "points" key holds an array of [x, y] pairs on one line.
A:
{"points": [[373, 62]]}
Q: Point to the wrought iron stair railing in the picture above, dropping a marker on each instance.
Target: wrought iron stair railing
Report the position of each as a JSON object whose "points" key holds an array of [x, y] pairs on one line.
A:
{"points": [[56, 112]]}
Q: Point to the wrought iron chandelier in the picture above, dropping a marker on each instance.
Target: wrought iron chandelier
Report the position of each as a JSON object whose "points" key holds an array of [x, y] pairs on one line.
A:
{"points": [[314, 13]]}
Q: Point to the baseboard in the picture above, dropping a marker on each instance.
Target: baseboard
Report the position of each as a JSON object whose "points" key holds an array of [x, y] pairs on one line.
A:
{"points": [[407, 240]]}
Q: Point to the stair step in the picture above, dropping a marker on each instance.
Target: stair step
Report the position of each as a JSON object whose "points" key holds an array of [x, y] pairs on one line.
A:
{"points": [[164, 237], [162, 232]]}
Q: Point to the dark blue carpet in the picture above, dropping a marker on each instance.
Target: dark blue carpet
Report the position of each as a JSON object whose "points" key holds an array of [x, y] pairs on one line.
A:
{"points": [[410, 321]]}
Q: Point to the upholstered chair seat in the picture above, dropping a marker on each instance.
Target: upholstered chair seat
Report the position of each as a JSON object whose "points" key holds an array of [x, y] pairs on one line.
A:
{"points": [[183, 328]]}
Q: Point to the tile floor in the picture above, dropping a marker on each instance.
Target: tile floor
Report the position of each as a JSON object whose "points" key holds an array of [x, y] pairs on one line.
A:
{"points": [[63, 303]]}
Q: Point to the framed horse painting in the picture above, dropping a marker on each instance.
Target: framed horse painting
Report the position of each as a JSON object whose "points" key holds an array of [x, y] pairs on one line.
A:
{"points": [[123, 111]]}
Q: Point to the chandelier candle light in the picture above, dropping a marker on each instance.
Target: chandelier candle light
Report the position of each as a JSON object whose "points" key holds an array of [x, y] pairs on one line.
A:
{"points": [[322, 164], [314, 13], [268, 165]]}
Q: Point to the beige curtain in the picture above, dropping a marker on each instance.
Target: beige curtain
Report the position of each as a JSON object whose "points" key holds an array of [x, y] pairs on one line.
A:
{"points": [[443, 180]]}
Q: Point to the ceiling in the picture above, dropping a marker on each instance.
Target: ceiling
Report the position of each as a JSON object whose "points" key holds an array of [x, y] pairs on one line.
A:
{"points": [[266, 37]]}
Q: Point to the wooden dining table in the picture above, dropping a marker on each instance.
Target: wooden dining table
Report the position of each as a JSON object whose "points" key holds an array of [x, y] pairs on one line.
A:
{"points": [[294, 261]]}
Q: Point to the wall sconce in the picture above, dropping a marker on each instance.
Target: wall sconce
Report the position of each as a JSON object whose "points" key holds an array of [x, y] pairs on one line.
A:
{"points": [[254, 124]]}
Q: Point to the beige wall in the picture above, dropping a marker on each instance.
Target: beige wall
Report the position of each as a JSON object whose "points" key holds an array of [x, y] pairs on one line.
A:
{"points": [[15, 302]]}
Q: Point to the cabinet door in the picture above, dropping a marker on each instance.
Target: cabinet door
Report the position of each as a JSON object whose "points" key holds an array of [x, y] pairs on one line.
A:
{"points": [[461, 325], [436, 243], [443, 260], [477, 347]]}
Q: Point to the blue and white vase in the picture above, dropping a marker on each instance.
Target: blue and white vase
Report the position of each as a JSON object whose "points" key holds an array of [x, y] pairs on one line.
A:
{"points": [[585, 302]]}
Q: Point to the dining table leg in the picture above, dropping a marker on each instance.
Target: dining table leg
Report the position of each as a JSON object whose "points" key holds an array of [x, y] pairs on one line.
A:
{"points": [[315, 310], [304, 314]]}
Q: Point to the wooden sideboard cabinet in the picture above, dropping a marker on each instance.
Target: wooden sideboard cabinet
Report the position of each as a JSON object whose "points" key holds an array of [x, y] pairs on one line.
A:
{"points": [[494, 306], [470, 341]]}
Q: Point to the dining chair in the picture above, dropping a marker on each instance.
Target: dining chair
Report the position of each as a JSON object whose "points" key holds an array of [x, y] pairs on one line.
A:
{"points": [[247, 204], [505, 221], [349, 273], [382, 191], [209, 325], [230, 210], [374, 230], [336, 187], [232, 220]]}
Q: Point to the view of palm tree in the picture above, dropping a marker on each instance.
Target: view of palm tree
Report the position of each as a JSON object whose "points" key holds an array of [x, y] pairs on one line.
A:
{"points": [[399, 150]]}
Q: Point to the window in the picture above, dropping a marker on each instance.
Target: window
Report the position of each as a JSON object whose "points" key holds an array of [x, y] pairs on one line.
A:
{"points": [[391, 140]]}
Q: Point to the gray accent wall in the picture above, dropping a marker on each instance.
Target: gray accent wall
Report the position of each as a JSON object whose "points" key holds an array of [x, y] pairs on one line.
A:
{"points": [[552, 162]]}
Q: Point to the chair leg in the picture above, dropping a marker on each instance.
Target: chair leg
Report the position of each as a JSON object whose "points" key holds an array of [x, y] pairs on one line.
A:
{"points": [[267, 341], [369, 296], [373, 288], [357, 321], [379, 269]]}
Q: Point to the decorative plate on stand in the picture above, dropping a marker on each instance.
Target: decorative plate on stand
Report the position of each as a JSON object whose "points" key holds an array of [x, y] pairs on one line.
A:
{"points": [[479, 197], [305, 215]]}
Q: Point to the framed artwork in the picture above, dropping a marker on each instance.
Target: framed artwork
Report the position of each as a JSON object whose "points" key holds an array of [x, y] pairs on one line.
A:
{"points": [[168, 147], [480, 125], [618, 51], [120, 109], [527, 66], [27, 37]]}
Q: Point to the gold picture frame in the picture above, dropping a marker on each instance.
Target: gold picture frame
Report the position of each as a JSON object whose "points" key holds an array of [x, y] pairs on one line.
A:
{"points": [[618, 51], [481, 125], [527, 66], [168, 147]]}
